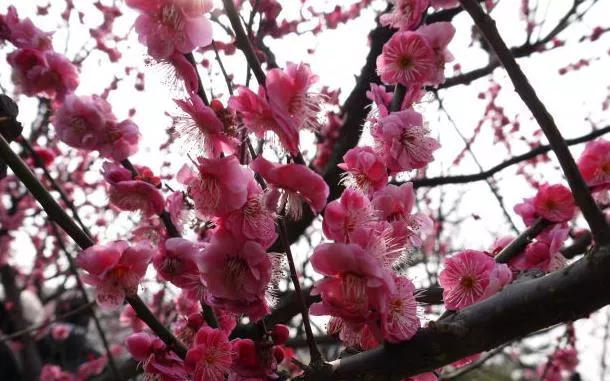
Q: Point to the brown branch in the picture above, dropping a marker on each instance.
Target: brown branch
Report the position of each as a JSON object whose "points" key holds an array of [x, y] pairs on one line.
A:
{"points": [[518, 244], [461, 179]]}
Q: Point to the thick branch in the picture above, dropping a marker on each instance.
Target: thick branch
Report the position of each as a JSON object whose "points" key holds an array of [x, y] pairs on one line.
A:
{"points": [[519, 309], [595, 218]]}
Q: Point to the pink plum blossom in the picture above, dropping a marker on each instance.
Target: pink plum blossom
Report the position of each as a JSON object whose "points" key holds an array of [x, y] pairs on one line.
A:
{"points": [[203, 130], [439, 35], [60, 331], [23, 33], [290, 99], [176, 262], [394, 204], [555, 203], [156, 357], [253, 221], [168, 25], [355, 282], [54, 373], [406, 59], [237, 275], [343, 216], [285, 107], [470, 276], [366, 169], [298, 183], [527, 211], [43, 72], [538, 255], [594, 164], [399, 320], [129, 194], [209, 359], [438, 4], [115, 270], [88, 123], [219, 187], [252, 361], [404, 141], [80, 121], [405, 14]]}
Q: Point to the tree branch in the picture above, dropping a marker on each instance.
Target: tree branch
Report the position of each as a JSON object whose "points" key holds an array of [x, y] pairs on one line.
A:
{"points": [[461, 179]]}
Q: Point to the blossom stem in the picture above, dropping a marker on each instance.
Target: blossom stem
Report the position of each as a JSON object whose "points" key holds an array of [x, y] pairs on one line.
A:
{"points": [[314, 352], [399, 95], [518, 244], [57, 214], [62, 194], [200, 91], [243, 43], [594, 216]]}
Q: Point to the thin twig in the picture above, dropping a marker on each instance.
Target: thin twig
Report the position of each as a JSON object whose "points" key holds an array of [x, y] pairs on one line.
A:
{"points": [[314, 352], [542, 149]]}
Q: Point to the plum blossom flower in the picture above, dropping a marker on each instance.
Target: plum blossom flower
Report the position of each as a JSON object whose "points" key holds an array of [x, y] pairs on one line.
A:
{"points": [[43, 72], [286, 107], [406, 59], [366, 169], [594, 164], [399, 320], [60, 331], [23, 33], [79, 121], [176, 262], [220, 187], [156, 357], [130, 194], [470, 276], [343, 216], [252, 361], [168, 25], [298, 183], [538, 255], [439, 35], [394, 204], [209, 359], [236, 275], [405, 14], [289, 96], [203, 130], [555, 203], [527, 211], [253, 221], [88, 123], [355, 283], [115, 270], [404, 141], [54, 373]]}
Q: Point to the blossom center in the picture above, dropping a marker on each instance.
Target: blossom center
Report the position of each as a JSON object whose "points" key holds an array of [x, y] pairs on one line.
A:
{"points": [[467, 282], [171, 17], [405, 62], [235, 269]]}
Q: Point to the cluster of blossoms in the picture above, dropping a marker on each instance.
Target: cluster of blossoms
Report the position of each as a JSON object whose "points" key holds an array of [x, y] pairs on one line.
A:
{"points": [[37, 69]]}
